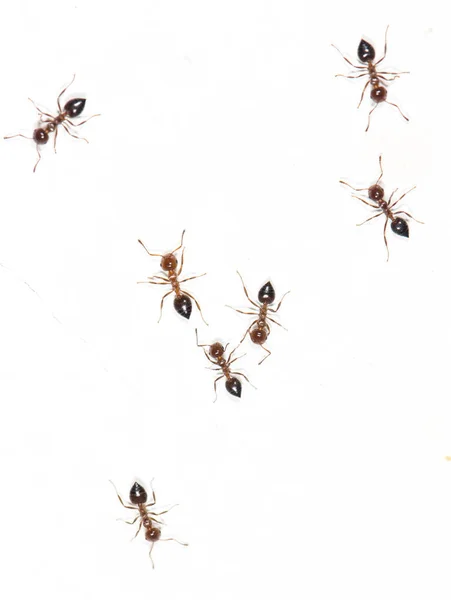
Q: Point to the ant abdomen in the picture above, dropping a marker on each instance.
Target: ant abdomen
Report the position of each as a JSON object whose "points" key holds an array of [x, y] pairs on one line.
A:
{"points": [[75, 107], [138, 494], [233, 386], [40, 136], [267, 294], [400, 227], [183, 305], [365, 52]]}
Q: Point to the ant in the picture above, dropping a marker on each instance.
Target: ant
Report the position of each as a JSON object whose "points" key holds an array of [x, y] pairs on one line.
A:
{"points": [[259, 329], [366, 55], [215, 355], [138, 497], [376, 194], [73, 108], [182, 300]]}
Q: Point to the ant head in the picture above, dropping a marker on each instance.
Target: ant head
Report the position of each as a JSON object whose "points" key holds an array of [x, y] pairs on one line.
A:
{"points": [[183, 305], [75, 107], [400, 227], [216, 350], [378, 94], [267, 295], [138, 494], [365, 52], [40, 136], [168, 262], [376, 192], [258, 335], [153, 534], [233, 386]]}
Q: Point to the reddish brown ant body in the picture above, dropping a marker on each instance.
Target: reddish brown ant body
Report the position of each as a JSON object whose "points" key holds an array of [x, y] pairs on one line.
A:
{"points": [[366, 55], [259, 329], [376, 195], [147, 519], [215, 355], [169, 264], [72, 108]]}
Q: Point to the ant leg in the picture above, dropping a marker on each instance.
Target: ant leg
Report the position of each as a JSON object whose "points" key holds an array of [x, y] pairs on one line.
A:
{"points": [[276, 323], [58, 99], [54, 139], [353, 188], [41, 112], [139, 529], [73, 134], [242, 311], [388, 78], [130, 522], [363, 93], [149, 253], [247, 331], [365, 201], [173, 540], [155, 282], [211, 360], [370, 219], [82, 123], [120, 499], [401, 197], [194, 277], [382, 171], [39, 158], [237, 358], [245, 291], [216, 391], [163, 512], [264, 358], [403, 212], [385, 47], [164, 279], [8, 137], [351, 76], [278, 306], [369, 116], [385, 238], [150, 555], [347, 60], [181, 243], [154, 499], [197, 304], [197, 341], [245, 377], [181, 262], [161, 305], [396, 106]]}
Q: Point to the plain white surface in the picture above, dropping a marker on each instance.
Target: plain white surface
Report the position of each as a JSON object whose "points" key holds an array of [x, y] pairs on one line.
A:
{"points": [[329, 480]]}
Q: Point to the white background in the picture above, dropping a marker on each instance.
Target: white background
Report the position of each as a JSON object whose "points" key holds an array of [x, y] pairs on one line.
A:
{"points": [[224, 119]]}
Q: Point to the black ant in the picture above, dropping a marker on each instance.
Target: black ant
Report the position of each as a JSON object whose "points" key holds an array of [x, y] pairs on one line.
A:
{"points": [[73, 108], [182, 300], [376, 194], [215, 355], [259, 329], [366, 55], [138, 497]]}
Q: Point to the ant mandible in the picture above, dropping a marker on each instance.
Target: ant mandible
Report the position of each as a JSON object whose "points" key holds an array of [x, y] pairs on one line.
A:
{"points": [[366, 55], [147, 519], [259, 329], [182, 300], [73, 108], [376, 194], [215, 355]]}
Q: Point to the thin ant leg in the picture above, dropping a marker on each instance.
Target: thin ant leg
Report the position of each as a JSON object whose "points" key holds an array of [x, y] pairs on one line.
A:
{"points": [[39, 158], [363, 93], [194, 277], [385, 48], [209, 358], [130, 522], [388, 79], [247, 331], [82, 123], [403, 212], [401, 197], [197, 304], [245, 291], [382, 171], [150, 555], [242, 311], [353, 188], [274, 310], [149, 253], [73, 134], [165, 279], [154, 499], [369, 116], [393, 72], [385, 238], [58, 99], [237, 358], [245, 377], [265, 357], [347, 60], [173, 540], [139, 529], [276, 323], [8, 137], [181, 243], [155, 282], [351, 76], [370, 219], [181, 263], [163, 512], [396, 106], [54, 139], [120, 499], [365, 201], [41, 111], [162, 300], [216, 391]]}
